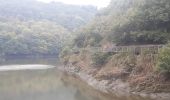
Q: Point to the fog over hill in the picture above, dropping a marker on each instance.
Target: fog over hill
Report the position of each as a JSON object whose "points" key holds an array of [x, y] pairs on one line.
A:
{"points": [[29, 27], [68, 16]]}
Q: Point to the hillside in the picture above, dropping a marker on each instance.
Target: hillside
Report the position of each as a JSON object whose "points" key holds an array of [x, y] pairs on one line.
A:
{"points": [[132, 23], [127, 22], [30, 37], [30, 27], [68, 16]]}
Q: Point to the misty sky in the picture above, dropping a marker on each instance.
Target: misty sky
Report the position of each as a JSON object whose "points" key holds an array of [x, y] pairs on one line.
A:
{"points": [[98, 3]]}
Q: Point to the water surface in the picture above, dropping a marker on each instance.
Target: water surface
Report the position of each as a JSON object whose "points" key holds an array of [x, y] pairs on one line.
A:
{"points": [[40, 81]]}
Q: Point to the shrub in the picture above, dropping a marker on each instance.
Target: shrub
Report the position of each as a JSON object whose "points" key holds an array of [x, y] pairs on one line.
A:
{"points": [[65, 52], [100, 59], [163, 64]]}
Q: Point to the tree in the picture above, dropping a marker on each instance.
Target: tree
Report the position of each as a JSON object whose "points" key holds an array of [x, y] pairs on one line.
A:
{"points": [[127, 22], [31, 37], [164, 59]]}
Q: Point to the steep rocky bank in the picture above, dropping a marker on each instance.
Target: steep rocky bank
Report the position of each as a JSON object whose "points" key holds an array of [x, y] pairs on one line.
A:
{"points": [[122, 75]]}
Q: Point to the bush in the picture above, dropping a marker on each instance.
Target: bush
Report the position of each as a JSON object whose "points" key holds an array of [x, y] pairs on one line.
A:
{"points": [[65, 52], [100, 59], [163, 64]]}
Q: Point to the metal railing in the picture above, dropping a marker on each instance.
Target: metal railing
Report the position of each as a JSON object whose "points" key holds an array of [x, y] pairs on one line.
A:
{"points": [[132, 48]]}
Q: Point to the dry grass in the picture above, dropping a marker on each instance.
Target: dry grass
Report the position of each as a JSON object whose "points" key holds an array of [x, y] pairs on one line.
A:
{"points": [[138, 70]]}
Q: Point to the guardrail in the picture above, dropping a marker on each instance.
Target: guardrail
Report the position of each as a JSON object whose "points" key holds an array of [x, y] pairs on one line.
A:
{"points": [[132, 48]]}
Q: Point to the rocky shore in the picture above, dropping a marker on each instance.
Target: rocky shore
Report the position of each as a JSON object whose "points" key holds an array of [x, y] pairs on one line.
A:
{"points": [[114, 86]]}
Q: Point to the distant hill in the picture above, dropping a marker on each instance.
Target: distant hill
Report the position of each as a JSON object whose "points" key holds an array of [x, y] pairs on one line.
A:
{"points": [[68, 16], [30, 27]]}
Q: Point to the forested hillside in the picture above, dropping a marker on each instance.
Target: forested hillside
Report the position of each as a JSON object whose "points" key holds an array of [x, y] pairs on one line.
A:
{"points": [[30, 27], [127, 22], [68, 16], [30, 37], [130, 24]]}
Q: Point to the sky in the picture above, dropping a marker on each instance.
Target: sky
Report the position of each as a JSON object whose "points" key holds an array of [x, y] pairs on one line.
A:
{"points": [[97, 3]]}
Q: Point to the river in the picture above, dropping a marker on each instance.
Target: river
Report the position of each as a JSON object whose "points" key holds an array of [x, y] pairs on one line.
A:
{"points": [[40, 79]]}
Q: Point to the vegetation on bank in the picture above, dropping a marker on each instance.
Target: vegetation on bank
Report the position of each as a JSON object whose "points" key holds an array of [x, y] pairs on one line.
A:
{"points": [[128, 22], [99, 59], [164, 60]]}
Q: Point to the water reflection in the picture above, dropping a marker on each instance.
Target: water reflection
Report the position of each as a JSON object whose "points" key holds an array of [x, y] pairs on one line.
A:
{"points": [[50, 84], [43, 85], [31, 60]]}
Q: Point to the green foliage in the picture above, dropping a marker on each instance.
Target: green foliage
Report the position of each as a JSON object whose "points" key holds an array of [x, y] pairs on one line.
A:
{"points": [[68, 16], [65, 51], [150, 20], [31, 37], [164, 59], [100, 59], [143, 37], [126, 22], [94, 39], [87, 39], [30, 27], [79, 41]]}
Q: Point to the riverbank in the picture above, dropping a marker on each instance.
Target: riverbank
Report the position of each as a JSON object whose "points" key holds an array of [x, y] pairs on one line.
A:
{"points": [[116, 87], [123, 74]]}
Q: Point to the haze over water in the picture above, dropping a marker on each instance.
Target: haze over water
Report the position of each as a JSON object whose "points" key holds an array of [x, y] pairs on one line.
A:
{"points": [[46, 84]]}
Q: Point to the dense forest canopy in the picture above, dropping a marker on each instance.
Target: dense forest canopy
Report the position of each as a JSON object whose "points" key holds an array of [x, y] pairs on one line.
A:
{"points": [[30, 27], [127, 22], [69, 16], [31, 37]]}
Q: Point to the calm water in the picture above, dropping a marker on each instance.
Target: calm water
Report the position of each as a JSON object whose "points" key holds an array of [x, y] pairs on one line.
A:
{"points": [[47, 84]]}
